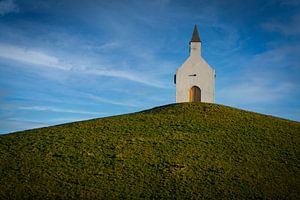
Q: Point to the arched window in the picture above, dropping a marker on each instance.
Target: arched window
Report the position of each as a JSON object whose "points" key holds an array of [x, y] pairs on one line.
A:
{"points": [[195, 94]]}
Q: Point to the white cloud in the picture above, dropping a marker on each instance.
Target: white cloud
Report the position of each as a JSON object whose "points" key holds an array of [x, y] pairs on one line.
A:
{"points": [[254, 91], [39, 58], [268, 77], [108, 46], [11, 125], [29, 56], [289, 29], [66, 119], [59, 110], [8, 6], [132, 76], [109, 101]]}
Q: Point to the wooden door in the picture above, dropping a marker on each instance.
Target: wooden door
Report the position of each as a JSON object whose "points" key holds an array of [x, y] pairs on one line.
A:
{"points": [[195, 94]]}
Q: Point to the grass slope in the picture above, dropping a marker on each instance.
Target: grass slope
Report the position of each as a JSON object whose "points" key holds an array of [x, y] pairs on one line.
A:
{"points": [[189, 150]]}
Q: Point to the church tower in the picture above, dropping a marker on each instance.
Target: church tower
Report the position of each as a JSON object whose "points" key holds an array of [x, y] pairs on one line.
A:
{"points": [[195, 79]]}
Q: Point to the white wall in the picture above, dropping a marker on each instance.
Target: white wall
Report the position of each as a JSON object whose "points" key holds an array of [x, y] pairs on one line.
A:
{"points": [[204, 79]]}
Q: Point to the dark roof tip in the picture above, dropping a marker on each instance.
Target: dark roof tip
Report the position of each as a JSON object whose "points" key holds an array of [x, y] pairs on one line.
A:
{"points": [[195, 37]]}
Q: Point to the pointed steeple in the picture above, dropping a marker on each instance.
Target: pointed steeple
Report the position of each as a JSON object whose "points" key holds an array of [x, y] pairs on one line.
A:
{"points": [[195, 37]]}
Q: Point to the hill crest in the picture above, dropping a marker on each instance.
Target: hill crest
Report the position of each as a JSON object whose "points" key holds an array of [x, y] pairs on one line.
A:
{"points": [[188, 150]]}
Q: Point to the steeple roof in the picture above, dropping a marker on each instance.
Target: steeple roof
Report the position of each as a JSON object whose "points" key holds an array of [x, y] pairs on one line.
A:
{"points": [[195, 37]]}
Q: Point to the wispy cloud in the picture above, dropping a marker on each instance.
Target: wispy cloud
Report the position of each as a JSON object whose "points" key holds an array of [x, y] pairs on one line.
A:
{"points": [[268, 77], [39, 58], [59, 110], [282, 57], [8, 6], [107, 46], [29, 56], [255, 91], [289, 29], [132, 76], [66, 119], [10, 125], [109, 101]]}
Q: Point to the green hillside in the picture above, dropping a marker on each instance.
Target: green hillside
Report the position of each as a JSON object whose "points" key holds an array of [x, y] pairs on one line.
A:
{"points": [[179, 151]]}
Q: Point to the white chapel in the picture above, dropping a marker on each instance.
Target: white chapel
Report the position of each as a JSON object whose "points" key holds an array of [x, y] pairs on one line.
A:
{"points": [[195, 79]]}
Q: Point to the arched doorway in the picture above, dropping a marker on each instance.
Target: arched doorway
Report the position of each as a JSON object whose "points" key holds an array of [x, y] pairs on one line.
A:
{"points": [[195, 94]]}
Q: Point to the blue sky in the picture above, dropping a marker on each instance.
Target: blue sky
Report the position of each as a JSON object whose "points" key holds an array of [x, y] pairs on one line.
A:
{"points": [[70, 60]]}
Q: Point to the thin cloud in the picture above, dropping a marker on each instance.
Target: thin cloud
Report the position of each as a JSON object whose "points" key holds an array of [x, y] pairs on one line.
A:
{"points": [[108, 46], [29, 56], [66, 119], [289, 29], [59, 110], [109, 101], [10, 125], [254, 92], [39, 58], [261, 79], [8, 6], [132, 76]]}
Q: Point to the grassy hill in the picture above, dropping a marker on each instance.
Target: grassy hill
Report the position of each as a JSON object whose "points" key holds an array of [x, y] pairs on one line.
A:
{"points": [[189, 150]]}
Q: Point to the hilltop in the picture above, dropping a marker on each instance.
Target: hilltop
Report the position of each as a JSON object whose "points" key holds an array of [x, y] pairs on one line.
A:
{"points": [[188, 150]]}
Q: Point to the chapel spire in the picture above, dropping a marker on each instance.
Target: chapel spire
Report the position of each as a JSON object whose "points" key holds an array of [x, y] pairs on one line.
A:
{"points": [[195, 37]]}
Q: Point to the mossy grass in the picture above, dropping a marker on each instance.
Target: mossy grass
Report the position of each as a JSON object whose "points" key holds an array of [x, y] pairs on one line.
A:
{"points": [[178, 151]]}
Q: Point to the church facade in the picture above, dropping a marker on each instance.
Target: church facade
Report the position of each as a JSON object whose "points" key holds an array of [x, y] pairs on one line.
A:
{"points": [[195, 79]]}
